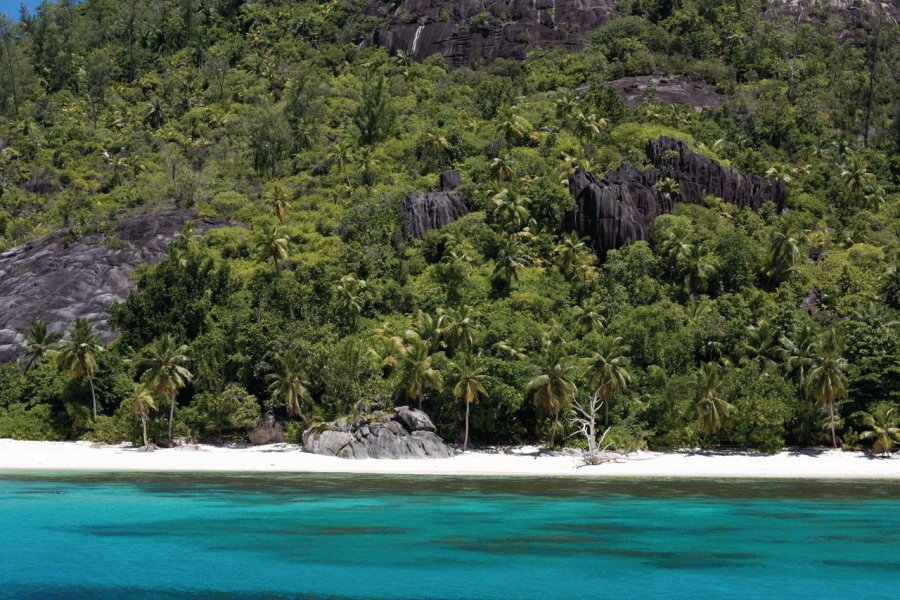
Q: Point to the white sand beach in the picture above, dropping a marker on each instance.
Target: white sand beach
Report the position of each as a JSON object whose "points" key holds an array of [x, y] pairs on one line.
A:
{"points": [[799, 464]]}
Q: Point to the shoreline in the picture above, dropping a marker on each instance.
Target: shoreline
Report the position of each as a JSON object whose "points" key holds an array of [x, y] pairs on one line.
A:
{"points": [[28, 456]]}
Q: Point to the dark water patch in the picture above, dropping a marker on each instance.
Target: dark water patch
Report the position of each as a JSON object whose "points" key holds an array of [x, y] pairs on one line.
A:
{"points": [[354, 485], [356, 530], [891, 566], [607, 527]]}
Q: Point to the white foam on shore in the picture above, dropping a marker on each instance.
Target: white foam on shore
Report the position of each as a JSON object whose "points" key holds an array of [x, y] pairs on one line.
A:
{"points": [[799, 464]]}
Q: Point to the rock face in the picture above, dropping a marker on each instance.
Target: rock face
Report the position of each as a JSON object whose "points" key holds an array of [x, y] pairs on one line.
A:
{"points": [[673, 89], [854, 10], [474, 31], [619, 207], [267, 431], [407, 433], [433, 210], [58, 279]]}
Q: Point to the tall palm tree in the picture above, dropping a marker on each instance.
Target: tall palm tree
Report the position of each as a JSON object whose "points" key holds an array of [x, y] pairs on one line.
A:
{"points": [[419, 371], [883, 428], [141, 403], [783, 254], [589, 319], [827, 379], [514, 128], [856, 176], [502, 167], [512, 256], [279, 204], [571, 252], [348, 291], [552, 389], [78, 356], [469, 388], [760, 344], [695, 269], [607, 370], [39, 342], [510, 212], [459, 329], [797, 355], [712, 410], [270, 244], [288, 384], [163, 362]]}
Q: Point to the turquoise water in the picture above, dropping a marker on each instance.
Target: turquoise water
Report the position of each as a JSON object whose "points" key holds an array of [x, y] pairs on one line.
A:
{"points": [[315, 536]]}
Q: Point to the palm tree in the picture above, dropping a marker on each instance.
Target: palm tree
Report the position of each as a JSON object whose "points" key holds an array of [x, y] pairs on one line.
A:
{"points": [[39, 342], [459, 329], [288, 384], [512, 256], [552, 389], [279, 204], [589, 319], [796, 355], [141, 402], [502, 167], [510, 212], [419, 371], [712, 410], [514, 127], [270, 244], [827, 379], [760, 344], [856, 176], [783, 254], [341, 154], [883, 428], [78, 356], [469, 388], [163, 364], [587, 127], [607, 370], [571, 251], [695, 269], [348, 290]]}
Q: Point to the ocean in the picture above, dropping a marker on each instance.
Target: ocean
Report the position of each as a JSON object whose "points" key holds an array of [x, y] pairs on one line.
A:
{"points": [[364, 536]]}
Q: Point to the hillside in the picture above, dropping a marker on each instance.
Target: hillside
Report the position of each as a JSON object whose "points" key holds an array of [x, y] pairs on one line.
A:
{"points": [[688, 212]]}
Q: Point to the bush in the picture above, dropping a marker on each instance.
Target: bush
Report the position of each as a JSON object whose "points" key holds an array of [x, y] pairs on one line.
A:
{"points": [[20, 423]]}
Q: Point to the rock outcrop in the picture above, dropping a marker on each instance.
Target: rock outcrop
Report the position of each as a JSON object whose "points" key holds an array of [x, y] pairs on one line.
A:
{"points": [[619, 207], [819, 10], [268, 430], [433, 210], [478, 31], [404, 433], [671, 89], [58, 279]]}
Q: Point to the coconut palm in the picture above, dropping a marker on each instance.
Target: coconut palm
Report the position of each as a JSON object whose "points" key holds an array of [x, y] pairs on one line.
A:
{"points": [[514, 128], [695, 269], [348, 291], [141, 403], [279, 204], [469, 388], [587, 127], [827, 378], [513, 255], [589, 319], [270, 244], [856, 177], [883, 428], [607, 370], [711, 409], [502, 167], [552, 389], [783, 254], [459, 328], [760, 345], [78, 356], [39, 342], [163, 363], [288, 384], [796, 355], [571, 252], [510, 212], [419, 371]]}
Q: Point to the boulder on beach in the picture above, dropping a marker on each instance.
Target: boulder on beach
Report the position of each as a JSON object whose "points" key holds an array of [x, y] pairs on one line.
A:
{"points": [[404, 432]]}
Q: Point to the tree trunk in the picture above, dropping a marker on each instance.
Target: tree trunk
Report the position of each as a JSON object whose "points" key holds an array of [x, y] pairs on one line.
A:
{"points": [[466, 438], [831, 413], [12, 75], [30, 362], [93, 400], [171, 413], [870, 94], [606, 410], [144, 425]]}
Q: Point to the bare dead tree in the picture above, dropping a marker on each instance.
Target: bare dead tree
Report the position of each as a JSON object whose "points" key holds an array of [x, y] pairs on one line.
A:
{"points": [[585, 420]]}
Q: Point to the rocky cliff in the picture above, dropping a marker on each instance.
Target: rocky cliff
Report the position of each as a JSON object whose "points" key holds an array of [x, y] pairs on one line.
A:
{"points": [[478, 31], [620, 206], [404, 433], [59, 279], [433, 210]]}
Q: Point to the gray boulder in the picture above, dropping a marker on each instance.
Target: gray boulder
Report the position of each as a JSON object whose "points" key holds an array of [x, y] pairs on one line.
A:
{"points": [[267, 431], [402, 433]]}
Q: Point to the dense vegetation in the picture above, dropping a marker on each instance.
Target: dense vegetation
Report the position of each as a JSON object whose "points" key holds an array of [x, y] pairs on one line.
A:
{"points": [[732, 328]]}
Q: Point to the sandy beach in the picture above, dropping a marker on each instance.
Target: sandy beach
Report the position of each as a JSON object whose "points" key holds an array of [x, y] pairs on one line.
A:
{"points": [[799, 464]]}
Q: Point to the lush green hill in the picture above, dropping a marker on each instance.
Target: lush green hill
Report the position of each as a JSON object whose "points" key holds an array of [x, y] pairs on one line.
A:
{"points": [[731, 327]]}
